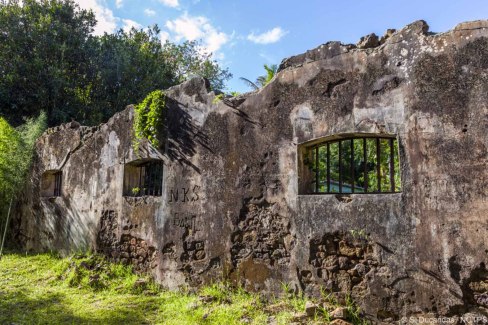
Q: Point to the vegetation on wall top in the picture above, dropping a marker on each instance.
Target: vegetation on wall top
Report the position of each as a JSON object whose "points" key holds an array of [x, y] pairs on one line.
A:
{"points": [[149, 118]]}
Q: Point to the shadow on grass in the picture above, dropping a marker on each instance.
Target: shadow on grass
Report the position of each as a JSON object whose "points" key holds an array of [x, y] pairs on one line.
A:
{"points": [[54, 308]]}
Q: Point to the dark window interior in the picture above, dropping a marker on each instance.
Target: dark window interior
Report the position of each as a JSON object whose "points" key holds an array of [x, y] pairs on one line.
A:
{"points": [[143, 178], [51, 182], [353, 165], [57, 184]]}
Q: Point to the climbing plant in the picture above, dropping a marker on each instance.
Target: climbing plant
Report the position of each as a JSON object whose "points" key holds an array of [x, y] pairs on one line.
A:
{"points": [[148, 122]]}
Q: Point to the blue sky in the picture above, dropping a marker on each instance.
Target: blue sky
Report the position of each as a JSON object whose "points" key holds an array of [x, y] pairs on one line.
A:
{"points": [[245, 35]]}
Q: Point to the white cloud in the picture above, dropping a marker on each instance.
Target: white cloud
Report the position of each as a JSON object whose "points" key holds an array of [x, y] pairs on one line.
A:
{"points": [[194, 28], [215, 40], [271, 36], [170, 3], [106, 22], [128, 24], [149, 12], [187, 27], [119, 3]]}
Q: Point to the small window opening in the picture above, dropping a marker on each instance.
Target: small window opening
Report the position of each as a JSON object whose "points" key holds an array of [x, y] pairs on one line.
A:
{"points": [[51, 182], [143, 178], [359, 164]]}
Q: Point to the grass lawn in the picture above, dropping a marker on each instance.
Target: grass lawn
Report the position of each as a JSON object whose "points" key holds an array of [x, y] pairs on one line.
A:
{"points": [[86, 289]]}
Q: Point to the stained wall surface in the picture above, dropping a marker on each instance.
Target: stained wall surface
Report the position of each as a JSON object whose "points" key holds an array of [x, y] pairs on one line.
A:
{"points": [[231, 205]]}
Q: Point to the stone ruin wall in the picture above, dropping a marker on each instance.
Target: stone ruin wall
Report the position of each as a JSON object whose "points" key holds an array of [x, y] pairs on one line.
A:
{"points": [[232, 207]]}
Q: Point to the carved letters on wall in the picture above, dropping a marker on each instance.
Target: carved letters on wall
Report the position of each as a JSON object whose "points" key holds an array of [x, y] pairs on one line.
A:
{"points": [[184, 194], [188, 194], [185, 221]]}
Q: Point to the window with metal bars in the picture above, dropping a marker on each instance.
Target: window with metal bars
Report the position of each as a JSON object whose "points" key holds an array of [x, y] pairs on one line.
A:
{"points": [[143, 178], [51, 182], [354, 164], [57, 183]]}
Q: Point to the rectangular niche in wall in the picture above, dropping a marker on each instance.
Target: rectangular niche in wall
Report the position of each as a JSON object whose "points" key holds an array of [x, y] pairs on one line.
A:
{"points": [[51, 183], [143, 178], [350, 164]]}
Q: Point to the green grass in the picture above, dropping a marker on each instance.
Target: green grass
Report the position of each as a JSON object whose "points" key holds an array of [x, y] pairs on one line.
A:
{"points": [[86, 289]]}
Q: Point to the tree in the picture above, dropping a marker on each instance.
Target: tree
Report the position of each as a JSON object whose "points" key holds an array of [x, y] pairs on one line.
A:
{"points": [[43, 57], [16, 151], [50, 61], [262, 81], [128, 66], [187, 60]]}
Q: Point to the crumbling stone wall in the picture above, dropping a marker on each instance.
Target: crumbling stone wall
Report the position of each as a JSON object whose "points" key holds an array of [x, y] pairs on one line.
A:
{"points": [[232, 205], [127, 249]]}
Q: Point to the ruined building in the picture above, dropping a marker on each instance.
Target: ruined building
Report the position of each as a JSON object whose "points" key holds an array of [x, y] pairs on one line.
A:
{"points": [[359, 169]]}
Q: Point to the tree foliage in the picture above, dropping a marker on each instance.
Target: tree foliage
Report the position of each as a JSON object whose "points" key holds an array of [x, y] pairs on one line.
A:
{"points": [[128, 66], [49, 60], [270, 73], [16, 150], [188, 60], [263, 80], [43, 57], [353, 165]]}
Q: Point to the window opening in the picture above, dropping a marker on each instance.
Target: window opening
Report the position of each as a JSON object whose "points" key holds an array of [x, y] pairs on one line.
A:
{"points": [[143, 178], [51, 182], [354, 165]]}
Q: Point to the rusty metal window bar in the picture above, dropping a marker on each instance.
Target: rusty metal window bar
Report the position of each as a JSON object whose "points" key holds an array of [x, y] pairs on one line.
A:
{"points": [[143, 179], [58, 176], [355, 165]]}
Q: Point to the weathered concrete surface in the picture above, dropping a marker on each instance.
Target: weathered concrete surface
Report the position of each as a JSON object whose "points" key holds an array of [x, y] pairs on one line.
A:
{"points": [[231, 206]]}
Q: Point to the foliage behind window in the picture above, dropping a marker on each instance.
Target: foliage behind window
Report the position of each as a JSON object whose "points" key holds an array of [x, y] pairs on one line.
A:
{"points": [[143, 178], [354, 165]]}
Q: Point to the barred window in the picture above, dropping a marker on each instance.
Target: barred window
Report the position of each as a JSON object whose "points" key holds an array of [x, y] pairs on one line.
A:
{"points": [[354, 164], [143, 178], [51, 183]]}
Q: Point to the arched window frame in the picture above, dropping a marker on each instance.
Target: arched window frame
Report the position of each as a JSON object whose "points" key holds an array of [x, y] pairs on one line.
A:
{"points": [[310, 151]]}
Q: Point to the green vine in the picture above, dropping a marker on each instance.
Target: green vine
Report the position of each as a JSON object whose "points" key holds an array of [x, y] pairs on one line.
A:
{"points": [[149, 117]]}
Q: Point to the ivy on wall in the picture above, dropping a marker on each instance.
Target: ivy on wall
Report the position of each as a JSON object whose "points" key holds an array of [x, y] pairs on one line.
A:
{"points": [[149, 118]]}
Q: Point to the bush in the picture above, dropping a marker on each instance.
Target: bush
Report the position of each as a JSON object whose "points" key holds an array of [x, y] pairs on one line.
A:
{"points": [[16, 151]]}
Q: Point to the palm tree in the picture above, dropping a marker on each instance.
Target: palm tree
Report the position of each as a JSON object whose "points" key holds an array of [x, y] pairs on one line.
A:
{"points": [[262, 81]]}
